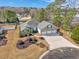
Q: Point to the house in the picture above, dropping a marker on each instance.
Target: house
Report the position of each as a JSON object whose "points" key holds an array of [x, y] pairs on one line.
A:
{"points": [[44, 28], [30, 25], [2, 33], [33, 24], [47, 28], [4, 28], [23, 17], [75, 20]]}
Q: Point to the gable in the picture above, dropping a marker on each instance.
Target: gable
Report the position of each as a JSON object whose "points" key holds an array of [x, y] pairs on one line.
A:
{"points": [[46, 26], [43, 24]]}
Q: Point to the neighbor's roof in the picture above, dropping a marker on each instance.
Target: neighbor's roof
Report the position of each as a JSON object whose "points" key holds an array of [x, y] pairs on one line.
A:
{"points": [[6, 26], [25, 18], [77, 15], [75, 20], [44, 24]]}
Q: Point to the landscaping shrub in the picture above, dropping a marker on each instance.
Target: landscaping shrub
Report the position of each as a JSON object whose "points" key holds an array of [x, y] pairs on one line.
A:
{"points": [[75, 34]]}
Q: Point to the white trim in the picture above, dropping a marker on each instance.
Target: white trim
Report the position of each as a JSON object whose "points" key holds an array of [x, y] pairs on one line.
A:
{"points": [[39, 31]]}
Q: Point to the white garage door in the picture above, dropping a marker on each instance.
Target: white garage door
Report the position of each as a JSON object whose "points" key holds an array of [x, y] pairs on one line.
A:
{"points": [[50, 33]]}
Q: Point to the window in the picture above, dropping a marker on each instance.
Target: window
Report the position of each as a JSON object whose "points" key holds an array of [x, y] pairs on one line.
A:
{"points": [[49, 26]]}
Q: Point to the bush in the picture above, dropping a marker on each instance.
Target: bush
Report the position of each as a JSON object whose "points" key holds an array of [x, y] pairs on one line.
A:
{"points": [[11, 16], [26, 32], [75, 33]]}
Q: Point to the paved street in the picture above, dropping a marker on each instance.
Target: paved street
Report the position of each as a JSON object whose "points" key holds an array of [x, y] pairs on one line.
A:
{"points": [[62, 53]]}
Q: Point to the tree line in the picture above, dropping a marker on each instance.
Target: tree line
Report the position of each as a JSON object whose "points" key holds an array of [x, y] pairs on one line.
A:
{"points": [[8, 16], [60, 16]]}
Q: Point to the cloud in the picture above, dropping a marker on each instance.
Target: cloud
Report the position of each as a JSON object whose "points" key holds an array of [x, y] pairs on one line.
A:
{"points": [[49, 1], [71, 3]]}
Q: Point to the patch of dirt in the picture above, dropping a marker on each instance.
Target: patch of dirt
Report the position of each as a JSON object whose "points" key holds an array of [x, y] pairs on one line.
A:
{"points": [[10, 51]]}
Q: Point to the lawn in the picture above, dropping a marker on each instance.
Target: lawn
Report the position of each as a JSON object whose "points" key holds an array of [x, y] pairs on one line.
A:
{"points": [[10, 51]]}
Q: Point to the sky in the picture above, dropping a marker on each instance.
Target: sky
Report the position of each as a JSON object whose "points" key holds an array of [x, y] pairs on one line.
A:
{"points": [[33, 3], [25, 3]]}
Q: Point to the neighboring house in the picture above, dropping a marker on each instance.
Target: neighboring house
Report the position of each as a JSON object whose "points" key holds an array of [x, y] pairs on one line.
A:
{"points": [[75, 21], [7, 27], [3, 31], [23, 18], [47, 28], [4, 28]]}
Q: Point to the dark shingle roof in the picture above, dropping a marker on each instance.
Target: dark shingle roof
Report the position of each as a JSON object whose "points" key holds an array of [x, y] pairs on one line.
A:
{"points": [[32, 23], [44, 24], [74, 21]]}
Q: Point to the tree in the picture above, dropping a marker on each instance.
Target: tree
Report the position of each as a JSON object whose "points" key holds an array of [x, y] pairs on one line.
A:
{"points": [[61, 17], [67, 18], [75, 33], [57, 20], [56, 16], [10, 16], [56, 11], [59, 2], [40, 15]]}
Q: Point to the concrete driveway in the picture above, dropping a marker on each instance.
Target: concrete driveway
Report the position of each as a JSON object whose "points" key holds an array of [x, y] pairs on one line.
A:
{"points": [[57, 42]]}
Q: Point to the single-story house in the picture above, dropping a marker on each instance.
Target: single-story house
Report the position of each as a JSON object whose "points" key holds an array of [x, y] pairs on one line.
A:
{"points": [[32, 25], [44, 28], [47, 28]]}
